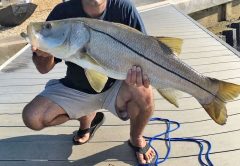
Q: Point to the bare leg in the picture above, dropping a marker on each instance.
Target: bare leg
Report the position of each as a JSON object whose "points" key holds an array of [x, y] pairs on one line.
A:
{"points": [[42, 112], [138, 101]]}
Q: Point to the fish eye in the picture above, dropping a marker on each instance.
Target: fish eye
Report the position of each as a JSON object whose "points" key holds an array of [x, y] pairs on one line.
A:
{"points": [[48, 26]]}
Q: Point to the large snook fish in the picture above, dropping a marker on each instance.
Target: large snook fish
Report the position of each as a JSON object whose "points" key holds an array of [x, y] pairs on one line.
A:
{"points": [[111, 49]]}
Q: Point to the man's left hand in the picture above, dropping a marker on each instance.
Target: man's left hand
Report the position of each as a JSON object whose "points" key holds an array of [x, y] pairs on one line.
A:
{"points": [[136, 78]]}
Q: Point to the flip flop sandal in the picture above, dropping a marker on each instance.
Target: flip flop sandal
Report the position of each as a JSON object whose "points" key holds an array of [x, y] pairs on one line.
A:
{"points": [[96, 123], [143, 151]]}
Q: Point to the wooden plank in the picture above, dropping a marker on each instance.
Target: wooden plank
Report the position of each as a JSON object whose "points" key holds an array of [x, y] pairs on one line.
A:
{"points": [[184, 33], [23, 82], [55, 150], [176, 30], [219, 159], [211, 60], [16, 98], [205, 54], [105, 139], [217, 67], [201, 42], [204, 49], [34, 71], [67, 163], [22, 89], [186, 44], [28, 75], [29, 65], [224, 74]]}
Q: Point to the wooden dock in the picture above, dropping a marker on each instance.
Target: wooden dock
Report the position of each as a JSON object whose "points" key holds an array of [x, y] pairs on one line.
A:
{"points": [[20, 82]]}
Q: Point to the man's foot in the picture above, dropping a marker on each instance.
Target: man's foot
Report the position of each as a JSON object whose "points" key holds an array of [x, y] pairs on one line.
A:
{"points": [[144, 153], [83, 136]]}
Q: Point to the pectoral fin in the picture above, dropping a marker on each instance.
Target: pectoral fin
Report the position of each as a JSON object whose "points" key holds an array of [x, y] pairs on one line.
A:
{"points": [[170, 95], [97, 80], [175, 44]]}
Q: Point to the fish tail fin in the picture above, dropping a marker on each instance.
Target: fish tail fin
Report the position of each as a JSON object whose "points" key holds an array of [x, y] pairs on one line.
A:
{"points": [[217, 109]]}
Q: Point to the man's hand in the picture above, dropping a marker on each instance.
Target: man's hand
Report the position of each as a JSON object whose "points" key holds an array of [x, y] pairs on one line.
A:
{"points": [[43, 61], [136, 78]]}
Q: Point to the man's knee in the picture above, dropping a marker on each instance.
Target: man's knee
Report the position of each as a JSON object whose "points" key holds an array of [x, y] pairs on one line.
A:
{"points": [[31, 118]]}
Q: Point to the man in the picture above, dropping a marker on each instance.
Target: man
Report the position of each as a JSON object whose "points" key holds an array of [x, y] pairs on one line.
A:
{"points": [[73, 98]]}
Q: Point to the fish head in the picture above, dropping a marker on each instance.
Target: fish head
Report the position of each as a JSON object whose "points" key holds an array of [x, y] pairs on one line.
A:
{"points": [[61, 38]]}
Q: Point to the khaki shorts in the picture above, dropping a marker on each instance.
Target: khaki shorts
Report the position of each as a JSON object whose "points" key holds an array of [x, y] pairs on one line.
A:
{"points": [[76, 103]]}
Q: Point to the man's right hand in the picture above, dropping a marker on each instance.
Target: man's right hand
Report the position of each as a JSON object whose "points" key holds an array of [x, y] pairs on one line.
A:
{"points": [[43, 61]]}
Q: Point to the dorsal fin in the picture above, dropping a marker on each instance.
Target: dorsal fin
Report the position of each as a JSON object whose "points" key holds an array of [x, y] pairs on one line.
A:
{"points": [[127, 27], [175, 44]]}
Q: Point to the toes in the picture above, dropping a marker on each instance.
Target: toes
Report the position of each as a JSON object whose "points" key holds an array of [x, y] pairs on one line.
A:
{"points": [[152, 153], [141, 159], [147, 158], [149, 155]]}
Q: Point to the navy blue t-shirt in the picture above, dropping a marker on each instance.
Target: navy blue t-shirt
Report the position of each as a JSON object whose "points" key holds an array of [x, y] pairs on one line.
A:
{"points": [[120, 11]]}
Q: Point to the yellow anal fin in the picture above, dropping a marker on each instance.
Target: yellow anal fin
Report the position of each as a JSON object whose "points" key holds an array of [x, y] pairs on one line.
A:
{"points": [[175, 44], [170, 95], [217, 111], [97, 80]]}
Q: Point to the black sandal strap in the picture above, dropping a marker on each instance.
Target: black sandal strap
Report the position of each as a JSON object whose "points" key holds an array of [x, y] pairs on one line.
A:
{"points": [[140, 150], [98, 118], [144, 149], [81, 133]]}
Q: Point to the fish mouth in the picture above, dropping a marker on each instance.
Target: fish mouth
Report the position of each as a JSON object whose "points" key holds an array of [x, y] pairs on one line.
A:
{"points": [[32, 35]]}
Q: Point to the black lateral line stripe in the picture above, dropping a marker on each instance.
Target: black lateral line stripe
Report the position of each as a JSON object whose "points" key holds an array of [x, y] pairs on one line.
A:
{"points": [[153, 61]]}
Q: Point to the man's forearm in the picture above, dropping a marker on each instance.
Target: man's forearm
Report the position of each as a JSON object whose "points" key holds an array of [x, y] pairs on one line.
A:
{"points": [[43, 64]]}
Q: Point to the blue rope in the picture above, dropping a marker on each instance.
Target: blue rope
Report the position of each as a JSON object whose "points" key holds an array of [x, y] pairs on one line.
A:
{"points": [[168, 141]]}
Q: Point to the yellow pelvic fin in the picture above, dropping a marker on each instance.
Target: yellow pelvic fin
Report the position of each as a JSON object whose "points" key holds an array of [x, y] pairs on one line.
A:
{"points": [[97, 80], [175, 44], [170, 95], [217, 109]]}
